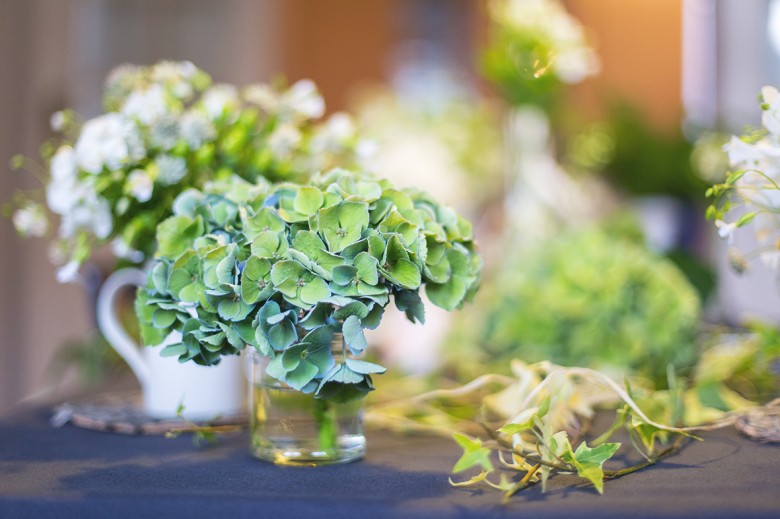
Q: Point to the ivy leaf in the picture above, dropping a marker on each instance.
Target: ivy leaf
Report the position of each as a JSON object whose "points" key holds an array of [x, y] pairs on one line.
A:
{"points": [[589, 461], [474, 454], [471, 481]]}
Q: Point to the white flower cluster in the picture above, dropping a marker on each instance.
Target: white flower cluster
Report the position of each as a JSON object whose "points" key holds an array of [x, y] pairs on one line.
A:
{"points": [[168, 129], [547, 20], [755, 161]]}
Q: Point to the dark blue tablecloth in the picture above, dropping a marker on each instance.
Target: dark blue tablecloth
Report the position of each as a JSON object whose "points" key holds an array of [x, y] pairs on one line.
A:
{"points": [[72, 472]]}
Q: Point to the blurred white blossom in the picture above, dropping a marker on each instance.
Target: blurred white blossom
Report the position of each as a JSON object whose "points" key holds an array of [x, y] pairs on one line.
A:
{"points": [[107, 141], [170, 169], [147, 106], [302, 100], [140, 185], [30, 220]]}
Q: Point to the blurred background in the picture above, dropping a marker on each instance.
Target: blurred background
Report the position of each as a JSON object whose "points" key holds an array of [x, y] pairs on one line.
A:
{"points": [[670, 73]]}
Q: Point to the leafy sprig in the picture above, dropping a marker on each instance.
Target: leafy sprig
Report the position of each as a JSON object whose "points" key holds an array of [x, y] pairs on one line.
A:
{"points": [[521, 430]]}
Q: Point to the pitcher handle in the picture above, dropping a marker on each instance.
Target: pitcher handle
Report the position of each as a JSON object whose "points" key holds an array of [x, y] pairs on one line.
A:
{"points": [[112, 328]]}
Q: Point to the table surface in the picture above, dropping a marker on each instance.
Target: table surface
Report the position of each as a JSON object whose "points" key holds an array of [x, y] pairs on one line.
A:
{"points": [[68, 471]]}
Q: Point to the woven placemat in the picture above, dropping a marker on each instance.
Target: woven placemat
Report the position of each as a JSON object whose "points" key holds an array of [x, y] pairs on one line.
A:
{"points": [[121, 413]]}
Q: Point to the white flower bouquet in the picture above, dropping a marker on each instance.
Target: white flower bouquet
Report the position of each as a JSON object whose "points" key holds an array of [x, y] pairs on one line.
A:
{"points": [[167, 128]]}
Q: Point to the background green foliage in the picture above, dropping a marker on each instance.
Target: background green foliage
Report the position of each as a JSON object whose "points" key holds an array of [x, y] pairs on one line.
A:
{"points": [[591, 298]]}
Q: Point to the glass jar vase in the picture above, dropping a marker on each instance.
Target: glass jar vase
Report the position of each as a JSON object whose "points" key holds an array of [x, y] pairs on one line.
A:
{"points": [[294, 428]]}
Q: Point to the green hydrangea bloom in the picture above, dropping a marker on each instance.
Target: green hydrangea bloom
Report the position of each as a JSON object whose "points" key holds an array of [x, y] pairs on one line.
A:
{"points": [[285, 268]]}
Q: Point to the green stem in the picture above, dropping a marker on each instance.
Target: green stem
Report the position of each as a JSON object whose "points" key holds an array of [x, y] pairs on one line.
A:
{"points": [[327, 428], [668, 451]]}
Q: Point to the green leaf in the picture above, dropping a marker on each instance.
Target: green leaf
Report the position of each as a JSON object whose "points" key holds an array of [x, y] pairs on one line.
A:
{"points": [[314, 291], [308, 200], [159, 277], [286, 269], [233, 309], [282, 335], [173, 350], [589, 462], [410, 303], [363, 367], [344, 274], [176, 234], [163, 318], [745, 219], [474, 454], [353, 334], [269, 244], [355, 308], [366, 266], [317, 316], [447, 295], [342, 225], [301, 375], [403, 273], [343, 375]]}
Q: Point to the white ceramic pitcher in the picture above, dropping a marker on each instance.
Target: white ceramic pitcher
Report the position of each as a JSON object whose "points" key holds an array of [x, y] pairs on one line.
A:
{"points": [[204, 392]]}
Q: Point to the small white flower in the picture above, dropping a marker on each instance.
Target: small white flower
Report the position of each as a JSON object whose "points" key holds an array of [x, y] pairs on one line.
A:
{"points": [[263, 96], [726, 230], [107, 141], [172, 71], [366, 150], [122, 250], [340, 126], [741, 153], [68, 273], [303, 100], [30, 220], [175, 75], [576, 64], [101, 220], [219, 98], [283, 140], [63, 190], [170, 169], [148, 106], [63, 164], [334, 135], [57, 121], [165, 134], [196, 129], [771, 115], [140, 185]]}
